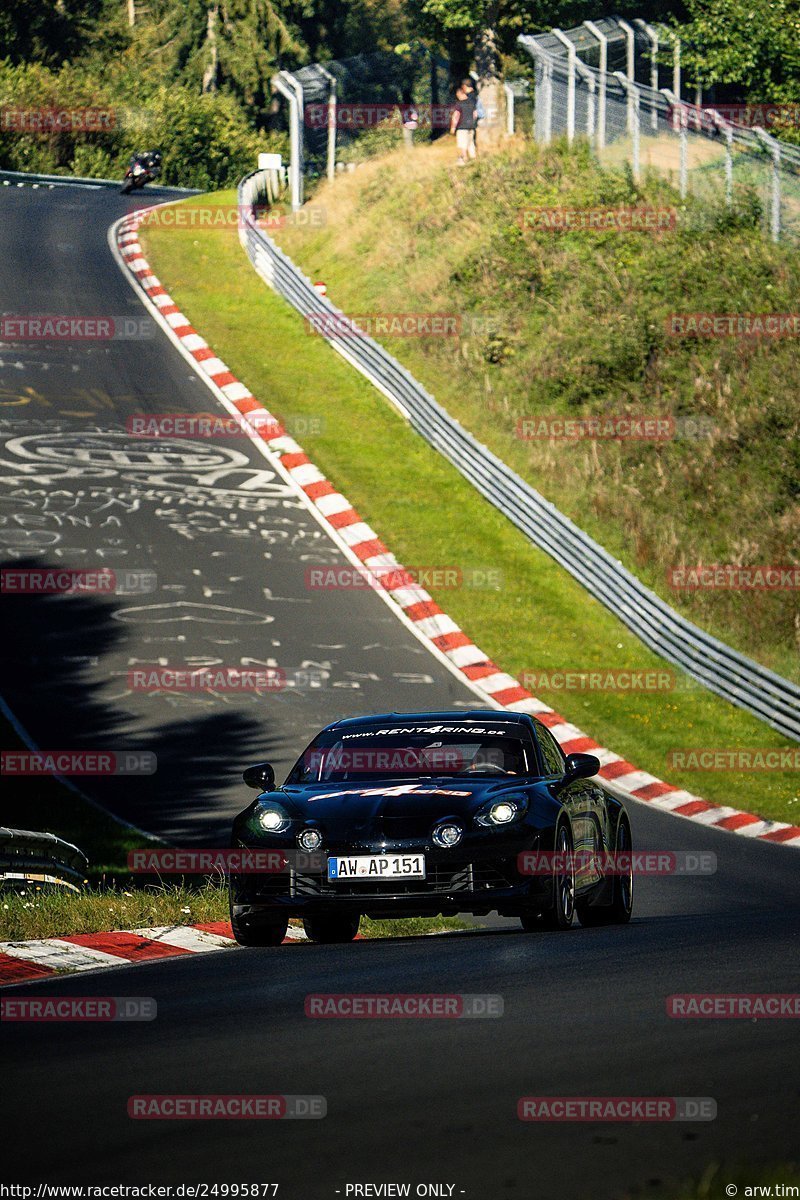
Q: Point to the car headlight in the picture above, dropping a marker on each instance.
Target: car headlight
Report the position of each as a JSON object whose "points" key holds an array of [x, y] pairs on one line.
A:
{"points": [[447, 835], [273, 819], [502, 812], [309, 839]]}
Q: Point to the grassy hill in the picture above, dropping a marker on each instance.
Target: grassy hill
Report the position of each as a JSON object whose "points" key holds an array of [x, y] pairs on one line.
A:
{"points": [[521, 608], [575, 326]]}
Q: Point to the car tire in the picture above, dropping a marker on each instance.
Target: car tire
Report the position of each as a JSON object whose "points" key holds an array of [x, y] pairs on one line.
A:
{"points": [[259, 931], [559, 913], [331, 929], [618, 912]]}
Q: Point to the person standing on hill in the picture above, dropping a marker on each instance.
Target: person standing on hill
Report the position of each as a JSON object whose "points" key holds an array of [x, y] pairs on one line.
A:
{"points": [[470, 87], [463, 121]]}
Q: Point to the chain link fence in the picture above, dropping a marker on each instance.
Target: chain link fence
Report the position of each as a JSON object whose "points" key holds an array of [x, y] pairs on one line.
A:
{"points": [[590, 82], [345, 110]]}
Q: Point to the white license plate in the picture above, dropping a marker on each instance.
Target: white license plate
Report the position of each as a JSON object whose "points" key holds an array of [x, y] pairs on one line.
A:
{"points": [[376, 866]]}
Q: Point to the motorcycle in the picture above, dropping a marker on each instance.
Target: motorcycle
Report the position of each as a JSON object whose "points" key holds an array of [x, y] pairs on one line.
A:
{"points": [[142, 169]]}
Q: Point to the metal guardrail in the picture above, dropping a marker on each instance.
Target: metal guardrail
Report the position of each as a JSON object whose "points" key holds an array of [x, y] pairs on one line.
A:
{"points": [[28, 857], [34, 178], [721, 669]]}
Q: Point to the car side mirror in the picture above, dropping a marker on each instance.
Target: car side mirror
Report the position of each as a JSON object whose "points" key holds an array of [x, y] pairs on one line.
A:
{"points": [[261, 776], [580, 766]]}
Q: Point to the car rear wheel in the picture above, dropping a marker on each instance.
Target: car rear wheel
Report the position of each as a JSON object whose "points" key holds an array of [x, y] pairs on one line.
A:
{"points": [[618, 912], [259, 930], [331, 929]]}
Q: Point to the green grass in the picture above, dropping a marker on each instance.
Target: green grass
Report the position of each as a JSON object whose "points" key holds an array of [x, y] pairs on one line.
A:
{"points": [[410, 926], [581, 330], [537, 618], [45, 912]]}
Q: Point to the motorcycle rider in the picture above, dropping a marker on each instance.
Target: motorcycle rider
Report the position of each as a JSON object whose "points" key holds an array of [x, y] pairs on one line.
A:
{"points": [[149, 164]]}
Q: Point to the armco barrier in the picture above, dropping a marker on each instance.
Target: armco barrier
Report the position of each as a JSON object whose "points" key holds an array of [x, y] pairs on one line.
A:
{"points": [[718, 667], [28, 857]]}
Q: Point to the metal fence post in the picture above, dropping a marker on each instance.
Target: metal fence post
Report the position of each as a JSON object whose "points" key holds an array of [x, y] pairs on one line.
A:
{"points": [[670, 36], [633, 120], [727, 130], [509, 91], [588, 76], [684, 152], [601, 100], [630, 64], [571, 69], [288, 87], [332, 105], [652, 36], [774, 147], [547, 77], [680, 122]]}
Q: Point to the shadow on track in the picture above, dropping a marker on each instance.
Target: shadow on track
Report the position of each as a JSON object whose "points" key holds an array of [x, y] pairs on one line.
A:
{"points": [[56, 679]]}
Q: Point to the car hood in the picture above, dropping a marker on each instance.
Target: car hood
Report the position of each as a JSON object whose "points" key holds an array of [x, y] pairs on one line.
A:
{"points": [[424, 800]]}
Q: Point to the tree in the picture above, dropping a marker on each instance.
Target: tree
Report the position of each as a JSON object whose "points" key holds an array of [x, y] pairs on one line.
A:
{"points": [[230, 45], [754, 44], [472, 25]]}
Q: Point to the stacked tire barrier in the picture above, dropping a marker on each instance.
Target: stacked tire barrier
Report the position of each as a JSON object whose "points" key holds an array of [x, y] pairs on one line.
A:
{"points": [[40, 858]]}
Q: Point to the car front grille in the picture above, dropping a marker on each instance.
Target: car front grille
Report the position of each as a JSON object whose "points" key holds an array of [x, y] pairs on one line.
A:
{"points": [[441, 878]]}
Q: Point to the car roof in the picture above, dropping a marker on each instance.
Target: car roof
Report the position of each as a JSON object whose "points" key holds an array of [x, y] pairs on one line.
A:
{"points": [[460, 716]]}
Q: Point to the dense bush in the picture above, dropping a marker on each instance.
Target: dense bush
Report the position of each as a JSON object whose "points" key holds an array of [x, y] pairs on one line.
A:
{"points": [[207, 141]]}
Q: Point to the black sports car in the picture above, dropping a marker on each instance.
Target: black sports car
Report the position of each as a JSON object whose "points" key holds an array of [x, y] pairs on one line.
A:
{"points": [[417, 814]]}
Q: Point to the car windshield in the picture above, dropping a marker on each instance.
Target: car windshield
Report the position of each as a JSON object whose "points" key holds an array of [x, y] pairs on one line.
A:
{"points": [[380, 753]]}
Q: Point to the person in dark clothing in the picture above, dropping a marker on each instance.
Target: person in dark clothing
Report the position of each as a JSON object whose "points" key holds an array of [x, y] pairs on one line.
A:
{"points": [[463, 122]]}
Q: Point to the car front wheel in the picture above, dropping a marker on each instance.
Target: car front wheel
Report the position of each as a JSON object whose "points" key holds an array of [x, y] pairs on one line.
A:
{"points": [[560, 910]]}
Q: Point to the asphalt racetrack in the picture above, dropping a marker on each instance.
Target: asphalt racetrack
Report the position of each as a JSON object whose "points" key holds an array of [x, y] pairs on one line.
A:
{"points": [[429, 1101]]}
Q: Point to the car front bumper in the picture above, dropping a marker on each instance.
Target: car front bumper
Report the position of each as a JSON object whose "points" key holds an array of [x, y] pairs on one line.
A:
{"points": [[472, 883]]}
